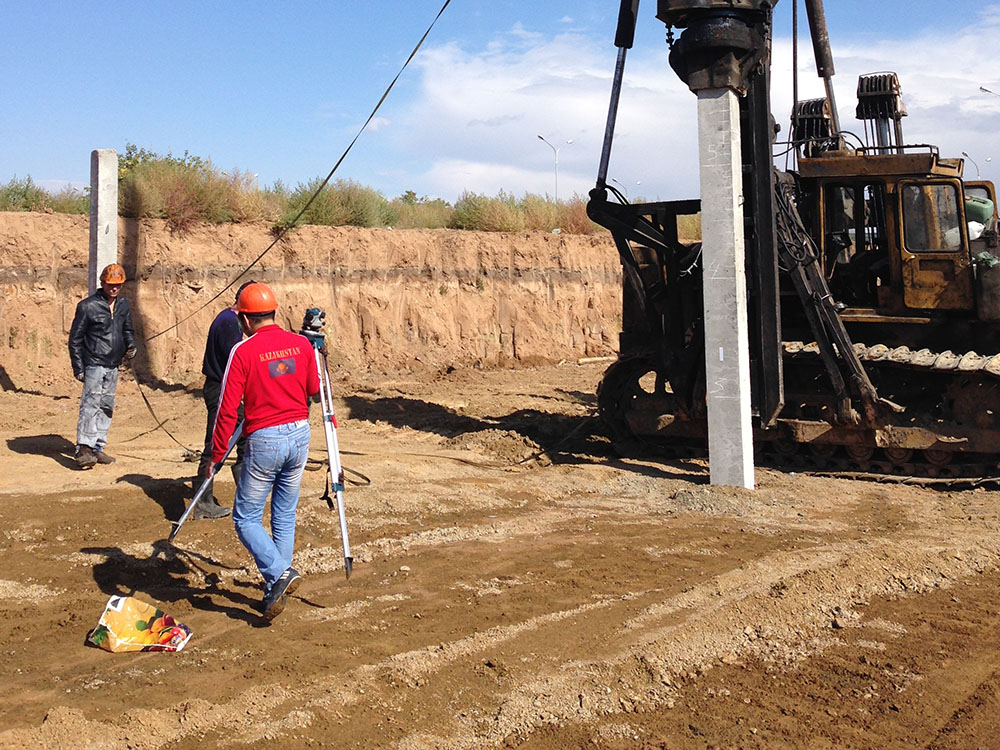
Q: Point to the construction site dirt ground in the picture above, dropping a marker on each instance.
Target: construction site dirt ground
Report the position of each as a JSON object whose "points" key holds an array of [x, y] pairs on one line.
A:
{"points": [[515, 584]]}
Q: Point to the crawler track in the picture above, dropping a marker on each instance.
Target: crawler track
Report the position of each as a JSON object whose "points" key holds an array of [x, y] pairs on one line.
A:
{"points": [[948, 426]]}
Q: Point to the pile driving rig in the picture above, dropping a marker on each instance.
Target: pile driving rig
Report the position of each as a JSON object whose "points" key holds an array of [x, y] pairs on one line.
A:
{"points": [[873, 282]]}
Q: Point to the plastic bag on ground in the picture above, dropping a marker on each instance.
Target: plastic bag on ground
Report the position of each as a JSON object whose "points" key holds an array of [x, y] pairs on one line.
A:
{"points": [[130, 624]]}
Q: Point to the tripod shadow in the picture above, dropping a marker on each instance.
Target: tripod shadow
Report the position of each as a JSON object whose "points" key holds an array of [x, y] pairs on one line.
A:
{"points": [[58, 448], [163, 577], [169, 494]]}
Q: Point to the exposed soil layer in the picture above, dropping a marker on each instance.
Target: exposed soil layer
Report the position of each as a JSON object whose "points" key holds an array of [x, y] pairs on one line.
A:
{"points": [[394, 300], [514, 584]]}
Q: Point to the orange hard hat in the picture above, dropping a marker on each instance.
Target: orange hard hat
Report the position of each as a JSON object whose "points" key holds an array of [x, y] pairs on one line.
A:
{"points": [[113, 274], [257, 299]]}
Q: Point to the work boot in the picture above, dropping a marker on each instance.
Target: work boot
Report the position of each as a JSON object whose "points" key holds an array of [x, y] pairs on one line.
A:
{"points": [[103, 458], [209, 509], [275, 598], [85, 457]]}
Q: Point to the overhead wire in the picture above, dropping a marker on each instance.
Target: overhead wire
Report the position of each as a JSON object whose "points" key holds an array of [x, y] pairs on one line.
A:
{"points": [[291, 224]]}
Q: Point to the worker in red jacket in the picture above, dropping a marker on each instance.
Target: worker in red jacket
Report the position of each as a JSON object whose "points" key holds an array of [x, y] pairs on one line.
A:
{"points": [[273, 372]]}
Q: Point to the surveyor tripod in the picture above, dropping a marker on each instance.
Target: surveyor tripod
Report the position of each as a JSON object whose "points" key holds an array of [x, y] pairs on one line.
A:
{"points": [[312, 329]]}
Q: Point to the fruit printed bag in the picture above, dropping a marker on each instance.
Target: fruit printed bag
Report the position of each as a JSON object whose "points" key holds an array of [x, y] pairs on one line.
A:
{"points": [[129, 624]]}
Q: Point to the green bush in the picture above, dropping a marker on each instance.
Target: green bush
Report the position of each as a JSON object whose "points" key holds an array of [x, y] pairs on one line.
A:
{"points": [[187, 189], [421, 213], [573, 218], [484, 214], [23, 195], [532, 212], [69, 200], [342, 203], [539, 213], [689, 227]]}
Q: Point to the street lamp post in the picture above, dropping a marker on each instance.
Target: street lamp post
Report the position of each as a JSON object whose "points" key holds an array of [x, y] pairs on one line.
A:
{"points": [[555, 154], [966, 155], [625, 189], [987, 91]]}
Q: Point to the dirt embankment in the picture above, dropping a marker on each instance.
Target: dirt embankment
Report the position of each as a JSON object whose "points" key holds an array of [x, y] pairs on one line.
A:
{"points": [[395, 299]]}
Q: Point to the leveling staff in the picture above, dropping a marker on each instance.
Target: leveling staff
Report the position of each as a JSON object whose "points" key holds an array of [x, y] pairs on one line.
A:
{"points": [[273, 372]]}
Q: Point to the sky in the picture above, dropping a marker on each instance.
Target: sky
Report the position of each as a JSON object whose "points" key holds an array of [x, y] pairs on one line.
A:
{"points": [[279, 89]]}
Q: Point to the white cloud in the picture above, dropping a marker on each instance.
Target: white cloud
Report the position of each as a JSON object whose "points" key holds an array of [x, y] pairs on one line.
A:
{"points": [[478, 113], [377, 123], [484, 112]]}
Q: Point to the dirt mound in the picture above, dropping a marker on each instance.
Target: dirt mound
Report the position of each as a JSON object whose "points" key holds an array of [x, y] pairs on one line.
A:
{"points": [[506, 445]]}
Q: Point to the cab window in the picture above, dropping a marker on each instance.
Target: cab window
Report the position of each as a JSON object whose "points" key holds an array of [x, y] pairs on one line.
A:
{"points": [[932, 219]]}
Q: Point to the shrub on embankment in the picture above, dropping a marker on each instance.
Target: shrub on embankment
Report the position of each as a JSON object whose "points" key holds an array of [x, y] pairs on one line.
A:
{"points": [[184, 190], [25, 195]]}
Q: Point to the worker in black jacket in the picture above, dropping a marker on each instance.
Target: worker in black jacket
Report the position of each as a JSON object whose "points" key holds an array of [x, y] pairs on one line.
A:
{"points": [[100, 338], [223, 335]]}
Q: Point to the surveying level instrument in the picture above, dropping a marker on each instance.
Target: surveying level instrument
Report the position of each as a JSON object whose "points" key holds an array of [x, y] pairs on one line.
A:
{"points": [[206, 483], [312, 329]]}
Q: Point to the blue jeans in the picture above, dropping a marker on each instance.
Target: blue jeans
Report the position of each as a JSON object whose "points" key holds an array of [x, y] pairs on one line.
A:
{"points": [[97, 404], [273, 465]]}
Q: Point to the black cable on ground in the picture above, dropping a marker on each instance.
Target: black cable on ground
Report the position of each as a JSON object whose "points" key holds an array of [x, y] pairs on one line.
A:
{"points": [[159, 424], [299, 215]]}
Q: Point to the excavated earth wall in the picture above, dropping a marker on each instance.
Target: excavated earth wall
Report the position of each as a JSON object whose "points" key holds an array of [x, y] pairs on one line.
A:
{"points": [[395, 299]]}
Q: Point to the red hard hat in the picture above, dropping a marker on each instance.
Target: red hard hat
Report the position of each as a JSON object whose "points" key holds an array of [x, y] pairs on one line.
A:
{"points": [[255, 299]]}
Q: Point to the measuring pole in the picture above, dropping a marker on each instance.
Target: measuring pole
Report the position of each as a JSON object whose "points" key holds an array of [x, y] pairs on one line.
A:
{"points": [[206, 484], [332, 449]]}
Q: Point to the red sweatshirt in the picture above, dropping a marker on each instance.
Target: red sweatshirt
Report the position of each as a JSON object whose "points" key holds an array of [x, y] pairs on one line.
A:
{"points": [[273, 372]]}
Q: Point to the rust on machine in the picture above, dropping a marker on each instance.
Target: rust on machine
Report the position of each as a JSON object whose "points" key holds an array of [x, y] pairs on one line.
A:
{"points": [[924, 162]]}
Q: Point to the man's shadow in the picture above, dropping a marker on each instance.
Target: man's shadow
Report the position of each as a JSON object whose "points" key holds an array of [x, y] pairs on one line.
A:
{"points": [[6, 384], [57, 447], [163, 577]]}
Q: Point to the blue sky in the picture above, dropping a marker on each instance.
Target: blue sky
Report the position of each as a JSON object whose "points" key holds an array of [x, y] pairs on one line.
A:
{"points": [[280, 88]]}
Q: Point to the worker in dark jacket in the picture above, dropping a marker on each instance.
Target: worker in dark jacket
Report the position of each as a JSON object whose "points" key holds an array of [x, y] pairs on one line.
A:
{"points": [[100, 338], [223, 335]]}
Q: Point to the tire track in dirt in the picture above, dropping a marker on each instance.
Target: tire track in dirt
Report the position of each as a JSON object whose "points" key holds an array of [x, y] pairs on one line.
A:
{"points": [[645, 653], [570, 601]]}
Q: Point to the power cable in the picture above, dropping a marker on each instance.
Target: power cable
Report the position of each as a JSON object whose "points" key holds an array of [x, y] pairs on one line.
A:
{"points": [[159, 423], [293, 222], [299, 215]]}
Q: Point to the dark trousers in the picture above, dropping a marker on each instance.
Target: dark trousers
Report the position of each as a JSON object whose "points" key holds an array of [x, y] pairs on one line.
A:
{"points": [[212, 391]]}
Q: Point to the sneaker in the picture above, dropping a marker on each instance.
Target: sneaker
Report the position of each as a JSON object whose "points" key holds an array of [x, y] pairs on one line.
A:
{"points": [[85, 457], [209, 509], [103, 458], [274, 600]]}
